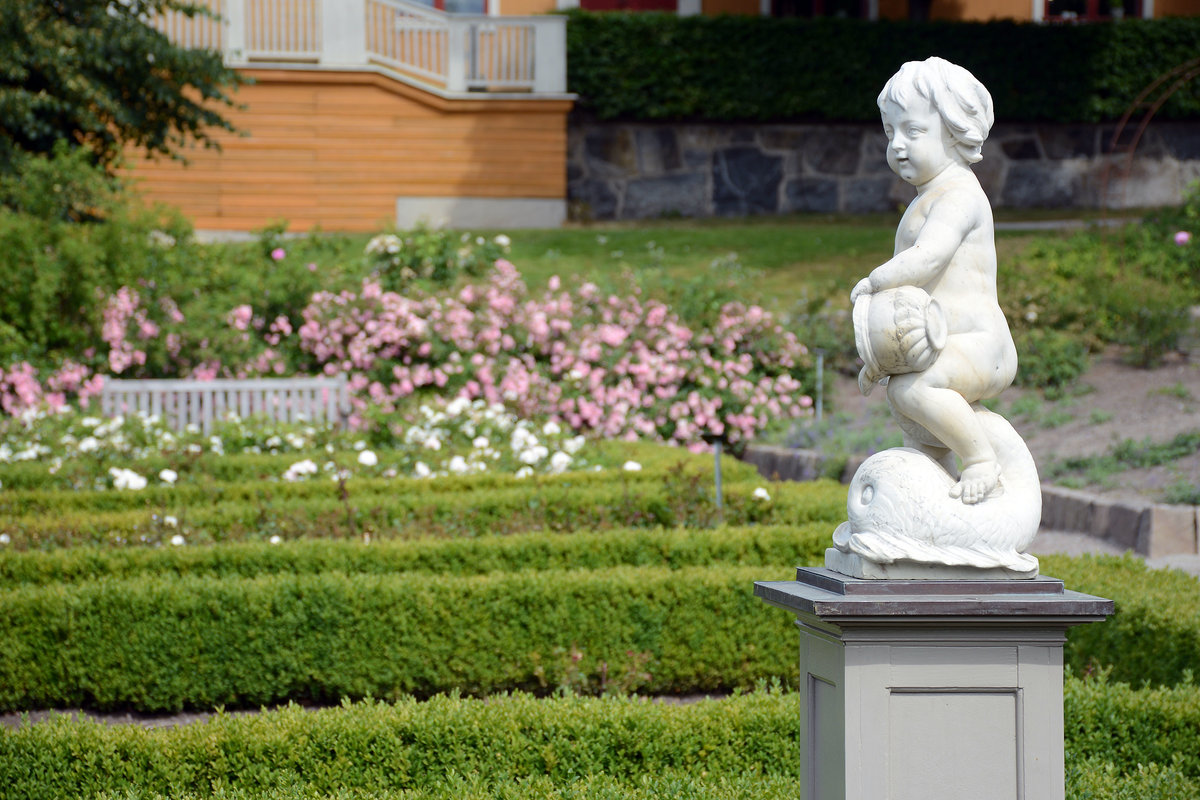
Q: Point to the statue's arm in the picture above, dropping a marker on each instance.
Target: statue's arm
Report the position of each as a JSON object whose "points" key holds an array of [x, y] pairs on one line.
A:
{"points": [[940, 237]]}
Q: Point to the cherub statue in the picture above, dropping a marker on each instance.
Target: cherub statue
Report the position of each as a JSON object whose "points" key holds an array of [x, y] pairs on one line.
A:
{"points": [[929, 326]]}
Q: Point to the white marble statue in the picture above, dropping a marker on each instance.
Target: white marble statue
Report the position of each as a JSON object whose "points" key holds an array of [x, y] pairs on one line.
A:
{"points": [[963, 491]]}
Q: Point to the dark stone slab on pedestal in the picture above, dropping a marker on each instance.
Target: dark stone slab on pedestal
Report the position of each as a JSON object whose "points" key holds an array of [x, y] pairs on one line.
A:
{"points": [[832, 596]]}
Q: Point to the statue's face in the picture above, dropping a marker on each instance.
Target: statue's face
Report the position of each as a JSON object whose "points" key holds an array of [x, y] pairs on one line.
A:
{"points": [[919, 146]]}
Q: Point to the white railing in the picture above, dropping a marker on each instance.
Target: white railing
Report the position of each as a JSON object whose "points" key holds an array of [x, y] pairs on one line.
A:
{"points": [[449, 52], [191, 402]]}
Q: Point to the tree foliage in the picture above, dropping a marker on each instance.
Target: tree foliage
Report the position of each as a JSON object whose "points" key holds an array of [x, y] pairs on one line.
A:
{"points": [[94, 73]]}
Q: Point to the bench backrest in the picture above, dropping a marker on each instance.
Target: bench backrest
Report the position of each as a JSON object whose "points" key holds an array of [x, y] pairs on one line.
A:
{"points": [[184, 402]]}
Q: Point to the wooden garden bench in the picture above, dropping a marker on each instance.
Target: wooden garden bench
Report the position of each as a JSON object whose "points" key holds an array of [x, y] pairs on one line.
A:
{"points": [[187, 402]]}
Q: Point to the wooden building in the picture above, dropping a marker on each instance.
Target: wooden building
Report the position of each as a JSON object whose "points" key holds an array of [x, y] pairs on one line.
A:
{"points": [[368, 113]]}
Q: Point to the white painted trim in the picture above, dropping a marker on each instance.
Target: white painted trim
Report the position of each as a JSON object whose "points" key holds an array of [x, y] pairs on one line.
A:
{"points": [[1038, 12], [764, 8], [480, 212], [873, 10], [566, 5], [688, 8], [1147, 9]]}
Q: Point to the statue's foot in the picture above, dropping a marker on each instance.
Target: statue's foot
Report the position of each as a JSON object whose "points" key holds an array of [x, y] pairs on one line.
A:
{"points": [[977, 482]]}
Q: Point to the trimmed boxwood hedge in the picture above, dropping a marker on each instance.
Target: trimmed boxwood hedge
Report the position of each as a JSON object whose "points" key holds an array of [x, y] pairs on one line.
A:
{"points": [[764, 545], [1122, 744], [756, 69], [163, 642], [441, 745], [406, 509]]}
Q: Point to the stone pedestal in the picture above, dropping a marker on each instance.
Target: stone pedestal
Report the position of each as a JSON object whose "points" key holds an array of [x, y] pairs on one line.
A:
{"points": [[931, 689]]}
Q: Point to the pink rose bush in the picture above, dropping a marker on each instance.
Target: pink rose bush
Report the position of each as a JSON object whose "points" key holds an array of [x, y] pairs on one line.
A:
{"points": [[613, 366], [619, 367]]}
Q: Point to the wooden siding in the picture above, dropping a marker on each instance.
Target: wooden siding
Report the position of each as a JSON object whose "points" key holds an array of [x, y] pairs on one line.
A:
{"points": [[336, 149], [521, 8], [982, 10], [714, 7], [1176, 8]]}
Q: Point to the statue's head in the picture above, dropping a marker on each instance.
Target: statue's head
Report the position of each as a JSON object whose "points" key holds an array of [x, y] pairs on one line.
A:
{"points": [[963, 103]]}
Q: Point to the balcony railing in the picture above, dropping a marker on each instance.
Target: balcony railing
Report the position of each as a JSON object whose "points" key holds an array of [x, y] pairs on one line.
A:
{"points": [[451, 53]]}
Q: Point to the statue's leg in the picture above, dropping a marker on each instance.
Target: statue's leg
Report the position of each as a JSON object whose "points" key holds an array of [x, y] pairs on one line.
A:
{"points": [[949, 417]]}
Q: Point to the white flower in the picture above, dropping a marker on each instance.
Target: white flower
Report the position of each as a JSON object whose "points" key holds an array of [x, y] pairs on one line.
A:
{"points": [[178, 540], [4, 539], [127, 479], [502, 240], [559, 462], [480, 443], [762, 494], [360, 445], [195, 448], [170, 521], [524, 472], [275, 539], [168, 476], [368, 458], [533, 455], [457, 465], [89, 422], [421, 470], [87, 444], [574, 444], [457, 406], [433, 443], [300, 470], [631, 466], [551, 428]]}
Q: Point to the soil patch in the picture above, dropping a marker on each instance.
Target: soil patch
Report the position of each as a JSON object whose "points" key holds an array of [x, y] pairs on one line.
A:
{"points": [[1113, 402]]}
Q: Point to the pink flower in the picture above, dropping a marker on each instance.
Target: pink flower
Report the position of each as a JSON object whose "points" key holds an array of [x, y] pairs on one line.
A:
{"points": [[1182, 238], [278, 254], [240, 317]]}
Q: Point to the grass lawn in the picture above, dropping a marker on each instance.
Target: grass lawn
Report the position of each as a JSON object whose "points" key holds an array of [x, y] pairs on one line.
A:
{"points": [[774, 261]]}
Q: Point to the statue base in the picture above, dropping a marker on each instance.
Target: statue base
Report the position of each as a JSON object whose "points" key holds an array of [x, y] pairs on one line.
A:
{"points": [[855, 566], [931, 689]]}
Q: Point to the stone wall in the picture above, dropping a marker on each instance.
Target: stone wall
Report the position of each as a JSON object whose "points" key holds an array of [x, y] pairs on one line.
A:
{"points": [[639, 171]]}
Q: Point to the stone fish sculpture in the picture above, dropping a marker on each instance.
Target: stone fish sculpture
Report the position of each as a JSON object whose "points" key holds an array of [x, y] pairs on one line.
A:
{"points": [[929, 327]]}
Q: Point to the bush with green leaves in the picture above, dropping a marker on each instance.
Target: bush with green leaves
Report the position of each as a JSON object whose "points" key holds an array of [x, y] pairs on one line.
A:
{"points": [[745, 68], [441, 257]]}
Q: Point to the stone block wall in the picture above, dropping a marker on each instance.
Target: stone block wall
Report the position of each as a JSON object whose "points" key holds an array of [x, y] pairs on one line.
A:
{"points": [[649, 170]]}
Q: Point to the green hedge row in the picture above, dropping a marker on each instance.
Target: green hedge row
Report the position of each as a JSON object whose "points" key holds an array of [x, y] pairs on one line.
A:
{"points": [[1115, 723], [1122, 744], [155, 643], [162, 644], [1154, 636], [741, 68], [759, 545], [677, 785], [440, 745], [406, 509]]}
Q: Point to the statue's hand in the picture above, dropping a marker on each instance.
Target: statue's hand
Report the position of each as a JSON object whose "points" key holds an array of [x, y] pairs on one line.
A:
{"points": [[861, 288]]}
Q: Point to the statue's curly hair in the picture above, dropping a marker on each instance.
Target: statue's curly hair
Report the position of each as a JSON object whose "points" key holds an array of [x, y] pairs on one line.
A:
{"points": [[962, 101]]}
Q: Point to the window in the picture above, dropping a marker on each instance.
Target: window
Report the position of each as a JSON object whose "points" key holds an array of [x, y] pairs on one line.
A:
{"points": [[1091, 10], [854, 9]]}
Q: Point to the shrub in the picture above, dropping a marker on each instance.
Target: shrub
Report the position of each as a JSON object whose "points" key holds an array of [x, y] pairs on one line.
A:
{"points": [[446, 747], [385, 508], [741, 68], [165, 643], [767, 546], [1153, 637]]}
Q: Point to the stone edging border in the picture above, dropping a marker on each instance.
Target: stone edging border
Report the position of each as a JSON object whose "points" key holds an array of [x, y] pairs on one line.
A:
{"points": [[1149, 529]]}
